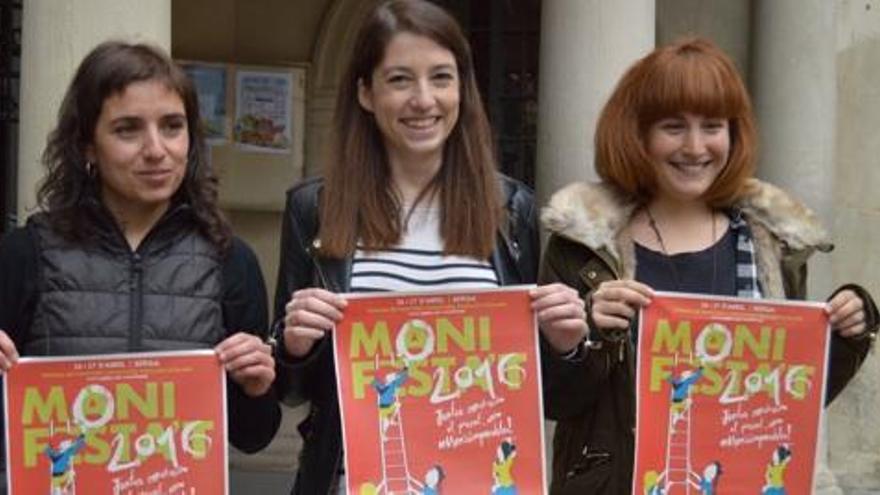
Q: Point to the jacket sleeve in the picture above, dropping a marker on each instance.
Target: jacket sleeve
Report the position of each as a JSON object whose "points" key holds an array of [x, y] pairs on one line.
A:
{"points": [[847, 354], [572, 386], [253, 421], [296, 379], [18, 283]]}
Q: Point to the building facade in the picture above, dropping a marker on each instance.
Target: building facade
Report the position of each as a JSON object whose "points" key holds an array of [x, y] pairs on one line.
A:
{"points": [[813, 67]]}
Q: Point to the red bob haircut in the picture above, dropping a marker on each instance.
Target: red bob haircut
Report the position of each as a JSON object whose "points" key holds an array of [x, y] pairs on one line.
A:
{"points": [[691, 75]]}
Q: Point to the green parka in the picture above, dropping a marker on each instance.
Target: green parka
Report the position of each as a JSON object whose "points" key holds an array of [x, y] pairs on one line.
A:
{"points": [[592, 397]]}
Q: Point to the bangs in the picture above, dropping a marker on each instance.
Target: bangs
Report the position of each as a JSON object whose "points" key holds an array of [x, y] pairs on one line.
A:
{"points": [[691, 81]]}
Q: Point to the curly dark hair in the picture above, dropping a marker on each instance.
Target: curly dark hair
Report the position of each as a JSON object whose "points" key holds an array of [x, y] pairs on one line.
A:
{"points": [[69, 184]]}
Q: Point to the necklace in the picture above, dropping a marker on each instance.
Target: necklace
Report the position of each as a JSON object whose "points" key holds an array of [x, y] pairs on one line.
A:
{"points": [[668, 258]]}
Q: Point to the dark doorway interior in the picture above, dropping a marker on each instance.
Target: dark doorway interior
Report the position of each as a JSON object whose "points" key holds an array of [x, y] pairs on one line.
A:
{"points": [[505, 36], [10, 69]]}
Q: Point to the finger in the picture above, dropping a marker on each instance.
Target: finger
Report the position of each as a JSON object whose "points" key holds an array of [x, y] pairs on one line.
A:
{"points": [[628, 296], [621, 294], [632, 285], [259, 357], [304, 333], [561, 297], [839, 309], [852, 330], [857, 316], [236, 340], [322, 295], [301, 308], [230, 350], [254, 380], [5, 363], [606, 322], [613, 308], [308, 320], [7, 348], [545, 290], [562, 312]]}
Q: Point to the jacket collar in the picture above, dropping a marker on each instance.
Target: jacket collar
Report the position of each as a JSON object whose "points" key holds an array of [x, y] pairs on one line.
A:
{"points": [[594, 214]]}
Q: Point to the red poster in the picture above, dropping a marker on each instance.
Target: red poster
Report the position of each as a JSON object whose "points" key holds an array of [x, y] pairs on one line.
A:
{"points": [[730, 395], [440, 393], [121, 424]]}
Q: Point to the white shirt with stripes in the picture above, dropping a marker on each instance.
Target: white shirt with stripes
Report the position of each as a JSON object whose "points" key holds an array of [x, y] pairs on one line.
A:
{"points": [[418, 262]]}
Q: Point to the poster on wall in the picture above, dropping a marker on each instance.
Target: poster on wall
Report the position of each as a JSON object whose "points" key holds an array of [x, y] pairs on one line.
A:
{"points": [[441, 393], [263, 110], [730, 395], [117, 424], [210, 82]]}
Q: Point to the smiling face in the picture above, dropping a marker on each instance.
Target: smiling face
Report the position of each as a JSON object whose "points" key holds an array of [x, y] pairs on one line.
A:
{"points": [[414, 95], [689, 151], [140, 148]]}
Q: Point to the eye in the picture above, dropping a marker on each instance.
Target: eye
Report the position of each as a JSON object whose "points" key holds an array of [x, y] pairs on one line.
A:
{"points": [[672, 126], [173, 126], [443, 79], [126, 129], [715, 126], [398, 80]]}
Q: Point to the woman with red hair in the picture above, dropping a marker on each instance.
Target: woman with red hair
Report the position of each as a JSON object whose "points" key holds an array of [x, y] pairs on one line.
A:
{"points": [[677, 209]]}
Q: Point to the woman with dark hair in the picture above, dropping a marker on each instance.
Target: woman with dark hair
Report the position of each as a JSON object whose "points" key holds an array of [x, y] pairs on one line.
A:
{"points": [[677, 209], [130, 252], [410, 199]]}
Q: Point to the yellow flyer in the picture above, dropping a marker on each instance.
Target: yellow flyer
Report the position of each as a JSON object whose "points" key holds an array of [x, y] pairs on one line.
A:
{"points": [[120, 424], [441, 393]]}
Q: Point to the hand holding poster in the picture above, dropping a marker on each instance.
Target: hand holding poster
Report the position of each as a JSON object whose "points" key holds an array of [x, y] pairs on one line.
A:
{"points": [[440, 393], [730, 395], [118, 424]]}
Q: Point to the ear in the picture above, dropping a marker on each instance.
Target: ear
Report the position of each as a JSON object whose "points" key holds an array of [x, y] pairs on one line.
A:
{"points": [[90, 153], [365, 96]]}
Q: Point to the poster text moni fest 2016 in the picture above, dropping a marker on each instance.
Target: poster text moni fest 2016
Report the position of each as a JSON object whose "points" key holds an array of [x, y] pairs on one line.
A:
{"points": [[121, 424], [729, 394], [440, 393]]}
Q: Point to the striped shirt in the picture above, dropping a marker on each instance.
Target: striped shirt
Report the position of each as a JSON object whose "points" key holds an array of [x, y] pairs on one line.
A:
{"points": [[418, 262]]}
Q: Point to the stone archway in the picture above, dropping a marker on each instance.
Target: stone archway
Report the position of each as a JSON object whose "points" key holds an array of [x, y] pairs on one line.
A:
{"points": [[331, 52]]}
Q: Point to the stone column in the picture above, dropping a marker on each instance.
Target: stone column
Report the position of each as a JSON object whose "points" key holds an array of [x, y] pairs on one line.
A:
{"points": [[586, 45], [794, 82], [853, 437], [55, 37]]}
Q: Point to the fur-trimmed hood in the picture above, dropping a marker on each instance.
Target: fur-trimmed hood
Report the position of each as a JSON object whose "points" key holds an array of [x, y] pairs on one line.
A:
{"points": [[593, 214]]}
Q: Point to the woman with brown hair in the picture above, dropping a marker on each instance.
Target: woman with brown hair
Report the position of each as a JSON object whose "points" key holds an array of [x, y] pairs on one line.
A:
{"points": [[130, 252], [410, 200], [677, 209]]}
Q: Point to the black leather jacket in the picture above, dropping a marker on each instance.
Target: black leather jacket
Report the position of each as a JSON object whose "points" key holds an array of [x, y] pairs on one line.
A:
{"points": [[312, 378]]}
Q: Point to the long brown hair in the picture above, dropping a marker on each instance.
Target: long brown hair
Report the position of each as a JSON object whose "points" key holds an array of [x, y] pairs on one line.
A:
{"points": [[357, 204], [690, 75], [107, 70]]}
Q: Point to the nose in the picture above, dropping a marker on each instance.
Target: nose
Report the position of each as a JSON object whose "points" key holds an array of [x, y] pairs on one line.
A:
{"points": [[153, 145], [694, 142], [423, 96]]}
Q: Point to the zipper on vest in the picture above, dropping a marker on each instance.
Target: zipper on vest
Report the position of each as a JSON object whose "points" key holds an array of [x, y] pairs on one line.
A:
{"points": [[136, 299]]}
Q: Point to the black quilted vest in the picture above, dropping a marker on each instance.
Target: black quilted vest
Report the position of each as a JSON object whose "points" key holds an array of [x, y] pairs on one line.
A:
{"points": [[99, 297]]}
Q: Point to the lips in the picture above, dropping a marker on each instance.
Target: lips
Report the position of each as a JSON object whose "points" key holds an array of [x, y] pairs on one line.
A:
{"points": [[691, 168], [155, 176], [420, 122]]}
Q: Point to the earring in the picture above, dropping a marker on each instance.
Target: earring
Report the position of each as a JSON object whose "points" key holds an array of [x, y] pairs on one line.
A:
{"points": [[89, 168]]}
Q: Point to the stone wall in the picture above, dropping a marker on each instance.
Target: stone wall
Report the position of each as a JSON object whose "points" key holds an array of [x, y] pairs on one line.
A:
{"points": [[853, 434]]}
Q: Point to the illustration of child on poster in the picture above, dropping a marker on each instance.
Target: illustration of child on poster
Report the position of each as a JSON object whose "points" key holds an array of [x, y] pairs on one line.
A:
{"points": [[117, 424], [440, 393], [730, 394]]}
